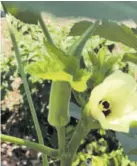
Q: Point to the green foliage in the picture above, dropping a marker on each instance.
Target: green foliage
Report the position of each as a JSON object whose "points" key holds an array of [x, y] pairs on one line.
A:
{"points": [[77, 47], [44, 61], [100, 151], [131, 57], [109, 30], [103, 64], [60, 69], [58, 66]]}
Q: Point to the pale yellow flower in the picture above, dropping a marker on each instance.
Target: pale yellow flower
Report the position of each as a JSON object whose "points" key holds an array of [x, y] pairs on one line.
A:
{"points": [[114, 102]]}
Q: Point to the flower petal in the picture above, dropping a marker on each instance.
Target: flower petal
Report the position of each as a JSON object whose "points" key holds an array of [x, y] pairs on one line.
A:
{"points": [[120, 91], [121, 124]]}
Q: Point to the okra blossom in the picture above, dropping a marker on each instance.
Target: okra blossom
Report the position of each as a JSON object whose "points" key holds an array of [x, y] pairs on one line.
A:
{"points": [[114, 102]]}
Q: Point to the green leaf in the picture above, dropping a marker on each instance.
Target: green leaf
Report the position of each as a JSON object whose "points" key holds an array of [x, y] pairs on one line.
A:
{"points": [[101, 56], [93, 58], [27, 16], [111, 31], [119, 33], [134, 30], [58, 66], [53, 51], [49, 69], [71, 62], [91, 9], [77, 47], [55, 70], [128, 141], [132, 57], [80, 80], [80, 27], [110, 62]]}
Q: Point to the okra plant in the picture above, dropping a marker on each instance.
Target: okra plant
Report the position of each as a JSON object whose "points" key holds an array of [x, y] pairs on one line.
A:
{"points": [[112, 103]]}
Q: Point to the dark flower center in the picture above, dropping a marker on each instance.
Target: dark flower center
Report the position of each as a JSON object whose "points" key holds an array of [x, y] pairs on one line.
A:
{"points": [[106, 112], [105, 104], [105, 107]]}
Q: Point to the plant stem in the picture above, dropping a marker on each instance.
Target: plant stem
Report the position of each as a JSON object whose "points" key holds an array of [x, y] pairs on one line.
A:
{"points": [[38, 147], [79, 134], [61, 143], [85, 124], [45, 30], [61, 138], [60, 130], [27, 91]]}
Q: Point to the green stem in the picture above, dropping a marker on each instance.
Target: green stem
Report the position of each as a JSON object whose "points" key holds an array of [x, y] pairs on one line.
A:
{"points": [[27, 91], [61, 138], [60, 130], [85, 124], [61, 143], [45, 30], [38, 147], [79, 134]]}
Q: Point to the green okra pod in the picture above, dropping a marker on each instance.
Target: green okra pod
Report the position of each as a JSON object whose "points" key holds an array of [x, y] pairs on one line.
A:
{"points": [[59, 103]]}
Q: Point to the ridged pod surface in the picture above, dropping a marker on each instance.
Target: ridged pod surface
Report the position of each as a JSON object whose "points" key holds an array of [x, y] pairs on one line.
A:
{"points": [[59, 103]]}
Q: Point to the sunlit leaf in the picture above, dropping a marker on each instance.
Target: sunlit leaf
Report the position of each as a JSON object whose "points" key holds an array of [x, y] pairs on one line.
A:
{"points": [[71, 62], [60, 70], [110, 62], [80, 79], [49, 69], [93, 58], [101, 56]]}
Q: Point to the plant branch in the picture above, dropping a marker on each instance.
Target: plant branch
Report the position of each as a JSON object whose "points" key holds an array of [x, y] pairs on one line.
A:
{"points": [[85, 124], [35, 146], [45, 30], [79, 134], [61, 138], [27, 91], [61, 143]]}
